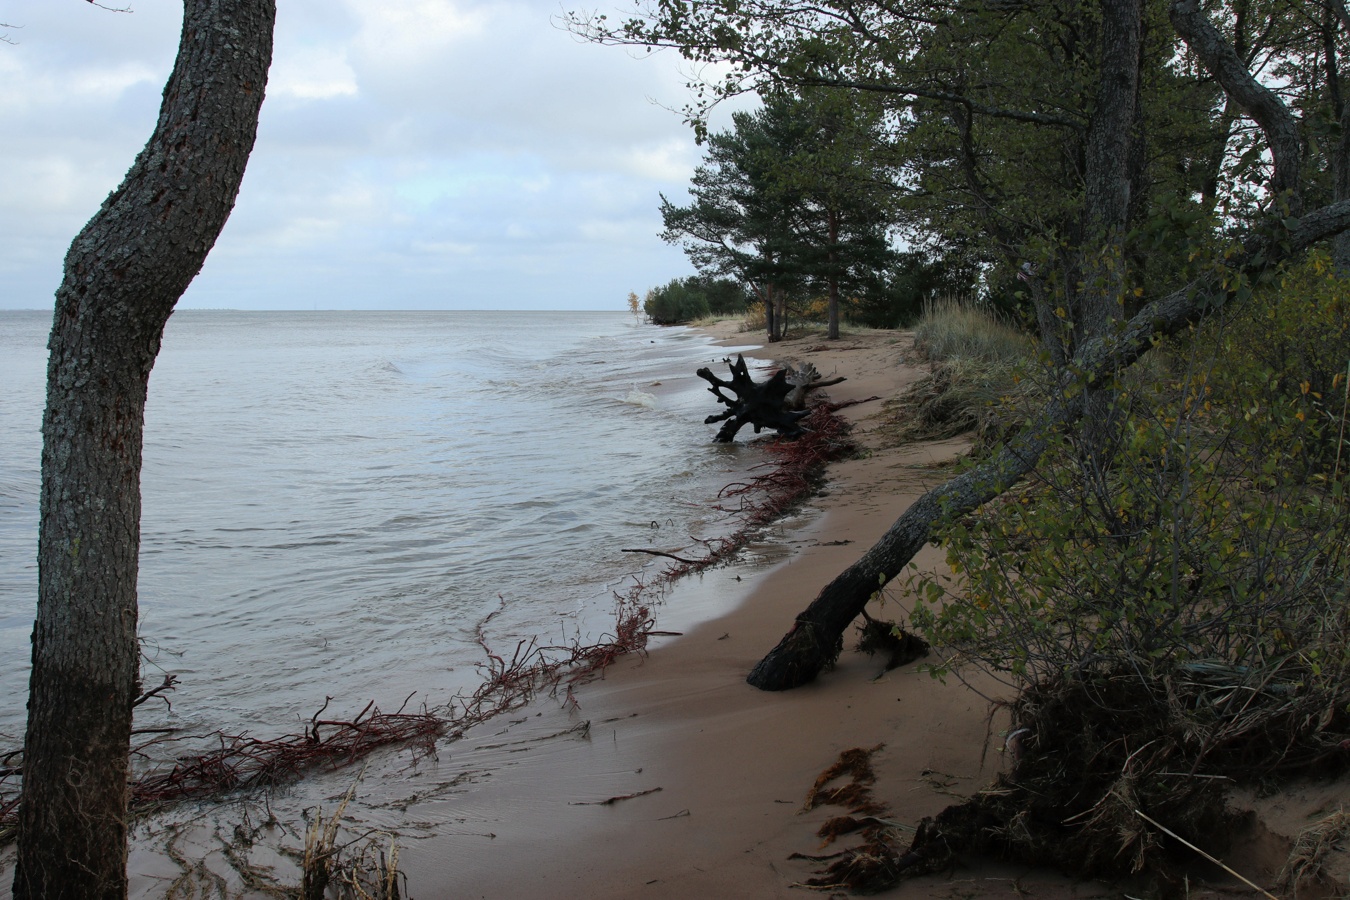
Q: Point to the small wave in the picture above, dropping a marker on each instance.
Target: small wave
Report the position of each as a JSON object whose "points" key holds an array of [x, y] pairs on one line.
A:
{"points": [[640, 398]]}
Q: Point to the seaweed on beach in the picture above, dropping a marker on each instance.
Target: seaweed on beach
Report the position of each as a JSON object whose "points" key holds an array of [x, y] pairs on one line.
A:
{"points": [[857, 765], [869, 864], [241, 762], [793, 472]]}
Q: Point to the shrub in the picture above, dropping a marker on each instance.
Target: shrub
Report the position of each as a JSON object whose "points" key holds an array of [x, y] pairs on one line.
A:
{"points": [[1173, 609], [675, 303], [1291, 346]]}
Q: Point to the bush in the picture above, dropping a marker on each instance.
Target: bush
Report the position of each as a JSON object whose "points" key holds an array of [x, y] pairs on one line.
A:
{"points": [[675, 303], [1295, 341], [1173, 609], [687, 299]]}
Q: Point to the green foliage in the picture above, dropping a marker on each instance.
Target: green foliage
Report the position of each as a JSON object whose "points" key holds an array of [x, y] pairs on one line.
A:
{"points": [[675, 303], [695, 297], [725, 296], [1207, 538], [1290, 346], [915, 278], [794, 199]]}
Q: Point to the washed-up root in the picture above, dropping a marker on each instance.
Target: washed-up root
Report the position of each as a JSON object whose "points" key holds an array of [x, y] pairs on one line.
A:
{"points": [[792, 473], [242, 762]]}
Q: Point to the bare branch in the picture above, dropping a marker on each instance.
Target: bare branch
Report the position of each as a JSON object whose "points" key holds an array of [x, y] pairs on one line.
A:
{"points": [[1256, 100]]}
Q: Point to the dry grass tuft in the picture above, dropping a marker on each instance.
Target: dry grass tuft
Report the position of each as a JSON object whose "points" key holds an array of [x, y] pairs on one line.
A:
{"points": [[1314, 845], [974, 356]]}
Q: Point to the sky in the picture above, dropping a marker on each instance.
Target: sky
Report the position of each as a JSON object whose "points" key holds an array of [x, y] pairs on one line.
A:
{"points": [[411, 154]]}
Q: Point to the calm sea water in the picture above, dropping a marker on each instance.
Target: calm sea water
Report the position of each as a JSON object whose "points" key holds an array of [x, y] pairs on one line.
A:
{"points": [[334, 500]]}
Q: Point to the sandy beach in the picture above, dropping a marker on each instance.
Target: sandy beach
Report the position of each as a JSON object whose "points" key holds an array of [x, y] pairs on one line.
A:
{"points": [[714, 772]]}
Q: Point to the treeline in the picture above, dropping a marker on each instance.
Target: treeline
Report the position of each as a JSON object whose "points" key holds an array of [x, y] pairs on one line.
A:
{"points": [[695, 297]]}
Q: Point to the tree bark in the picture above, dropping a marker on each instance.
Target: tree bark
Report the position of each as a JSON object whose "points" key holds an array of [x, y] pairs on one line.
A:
{"points": [[1265, 107], [1108, 181], [123, 275], [832, 304]]}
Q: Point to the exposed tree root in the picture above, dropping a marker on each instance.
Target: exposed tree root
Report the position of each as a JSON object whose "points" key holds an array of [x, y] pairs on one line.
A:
{"points": [[896, 645], [1113, 777], [245, 762]]}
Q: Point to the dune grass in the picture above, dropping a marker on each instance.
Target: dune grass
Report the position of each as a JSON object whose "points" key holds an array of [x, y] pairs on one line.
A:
{"points": [[975, 355]]}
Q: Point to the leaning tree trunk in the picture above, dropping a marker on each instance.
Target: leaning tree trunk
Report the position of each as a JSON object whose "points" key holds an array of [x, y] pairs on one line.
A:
{"points": [[123, 274], [816, 636], [832, 303]]}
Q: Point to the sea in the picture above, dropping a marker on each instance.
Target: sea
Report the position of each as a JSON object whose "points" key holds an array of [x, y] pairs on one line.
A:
{"points": [[335, 501]]}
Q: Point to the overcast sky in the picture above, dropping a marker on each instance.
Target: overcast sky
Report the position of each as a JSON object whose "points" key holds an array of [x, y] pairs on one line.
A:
{"points": [[412, 154]]}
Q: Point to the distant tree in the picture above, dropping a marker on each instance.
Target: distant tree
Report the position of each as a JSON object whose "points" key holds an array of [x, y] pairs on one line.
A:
{"points": [[123, 275], [795, 198], [736, 224], [675, 303], [725, 296], [838, 186]]}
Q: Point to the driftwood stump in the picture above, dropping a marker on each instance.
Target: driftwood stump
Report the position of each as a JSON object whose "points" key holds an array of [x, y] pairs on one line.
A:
{"points": [[805, 379], [778, 403]]}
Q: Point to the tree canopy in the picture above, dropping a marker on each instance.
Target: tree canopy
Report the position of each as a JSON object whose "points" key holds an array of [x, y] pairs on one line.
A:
{"points": [[796, 197]]}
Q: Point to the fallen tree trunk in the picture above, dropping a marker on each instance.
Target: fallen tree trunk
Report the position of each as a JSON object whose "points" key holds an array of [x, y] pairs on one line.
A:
{"points": [[816, 636]]}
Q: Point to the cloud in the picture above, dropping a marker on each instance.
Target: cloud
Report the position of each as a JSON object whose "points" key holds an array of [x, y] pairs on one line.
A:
{"points": [[312, 73], [411, 153]]}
